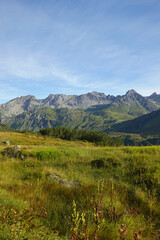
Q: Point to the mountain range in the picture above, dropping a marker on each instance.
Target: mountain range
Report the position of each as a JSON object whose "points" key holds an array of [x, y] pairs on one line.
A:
{"points": [[27, 103], [92, 111]]}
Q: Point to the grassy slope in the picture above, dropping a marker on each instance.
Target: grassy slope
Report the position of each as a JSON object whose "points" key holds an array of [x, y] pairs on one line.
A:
{"points": [[145, 125], [34, 207], [96, 118]]}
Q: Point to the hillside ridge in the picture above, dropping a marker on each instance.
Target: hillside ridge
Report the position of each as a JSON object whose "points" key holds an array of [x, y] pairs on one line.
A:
{"points": [[147, 124]]}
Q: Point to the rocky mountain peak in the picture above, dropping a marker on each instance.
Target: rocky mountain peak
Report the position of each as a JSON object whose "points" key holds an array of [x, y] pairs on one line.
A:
{"points": [[154, 97], [130, 96], [22, 98], [131, 92], [97, 93], [154, 94], [29, 97], [49, 97]]}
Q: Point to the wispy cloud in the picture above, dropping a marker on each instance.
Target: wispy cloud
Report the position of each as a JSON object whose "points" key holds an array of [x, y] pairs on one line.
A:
{"points": [[72, 80], [25, 68]]}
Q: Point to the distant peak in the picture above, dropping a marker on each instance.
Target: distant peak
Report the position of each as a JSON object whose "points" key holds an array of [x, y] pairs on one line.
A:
{"points": [[95, 93], [154, 94], [50, 96], [30, 96], [25, 97], [131, 91]]}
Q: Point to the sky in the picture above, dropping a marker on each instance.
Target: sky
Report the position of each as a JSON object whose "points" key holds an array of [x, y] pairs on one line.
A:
{"points": [[79, 46]]}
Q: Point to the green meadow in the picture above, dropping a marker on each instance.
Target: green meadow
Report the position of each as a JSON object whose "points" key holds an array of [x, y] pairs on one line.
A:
{"points": [[118, 200]]}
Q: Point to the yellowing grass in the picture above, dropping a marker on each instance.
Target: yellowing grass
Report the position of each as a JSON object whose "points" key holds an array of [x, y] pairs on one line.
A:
{"points": [[130, 193]]}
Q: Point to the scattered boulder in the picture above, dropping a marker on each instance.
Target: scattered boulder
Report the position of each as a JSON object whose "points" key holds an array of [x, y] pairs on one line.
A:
{"points": [[62, 181], [106, 163], [112, 162], [17, 147], [98, 163], [13, 152], [6, 143]]}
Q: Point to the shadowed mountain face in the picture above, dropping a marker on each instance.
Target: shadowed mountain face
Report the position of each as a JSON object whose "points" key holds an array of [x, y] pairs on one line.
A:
{"points": [[154, 97], [148, 124], [93, 111]]}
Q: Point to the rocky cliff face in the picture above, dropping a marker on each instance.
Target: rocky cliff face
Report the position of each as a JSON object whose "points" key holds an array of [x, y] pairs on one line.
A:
{"points": [[27, 103], [18, 105]]}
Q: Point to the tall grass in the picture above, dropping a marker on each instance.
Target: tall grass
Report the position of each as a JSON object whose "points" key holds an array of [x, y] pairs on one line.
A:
{"points": [[113, 202]]}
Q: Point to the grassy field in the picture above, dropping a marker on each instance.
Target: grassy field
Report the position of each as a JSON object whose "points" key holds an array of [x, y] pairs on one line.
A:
{"points": [[121, 200]]}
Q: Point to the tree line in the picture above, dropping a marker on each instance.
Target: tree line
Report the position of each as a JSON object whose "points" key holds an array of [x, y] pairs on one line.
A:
{"points": [[73, 134]]}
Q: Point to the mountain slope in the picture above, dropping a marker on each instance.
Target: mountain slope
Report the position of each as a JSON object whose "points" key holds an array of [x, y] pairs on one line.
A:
{"points": [[90, 119], [154, 97], [148, 124], [27, 103], [44, 118], [133, 103]]}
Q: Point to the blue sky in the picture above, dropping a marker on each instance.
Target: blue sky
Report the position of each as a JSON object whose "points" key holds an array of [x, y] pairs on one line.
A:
{"points": [[79, 46]]}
